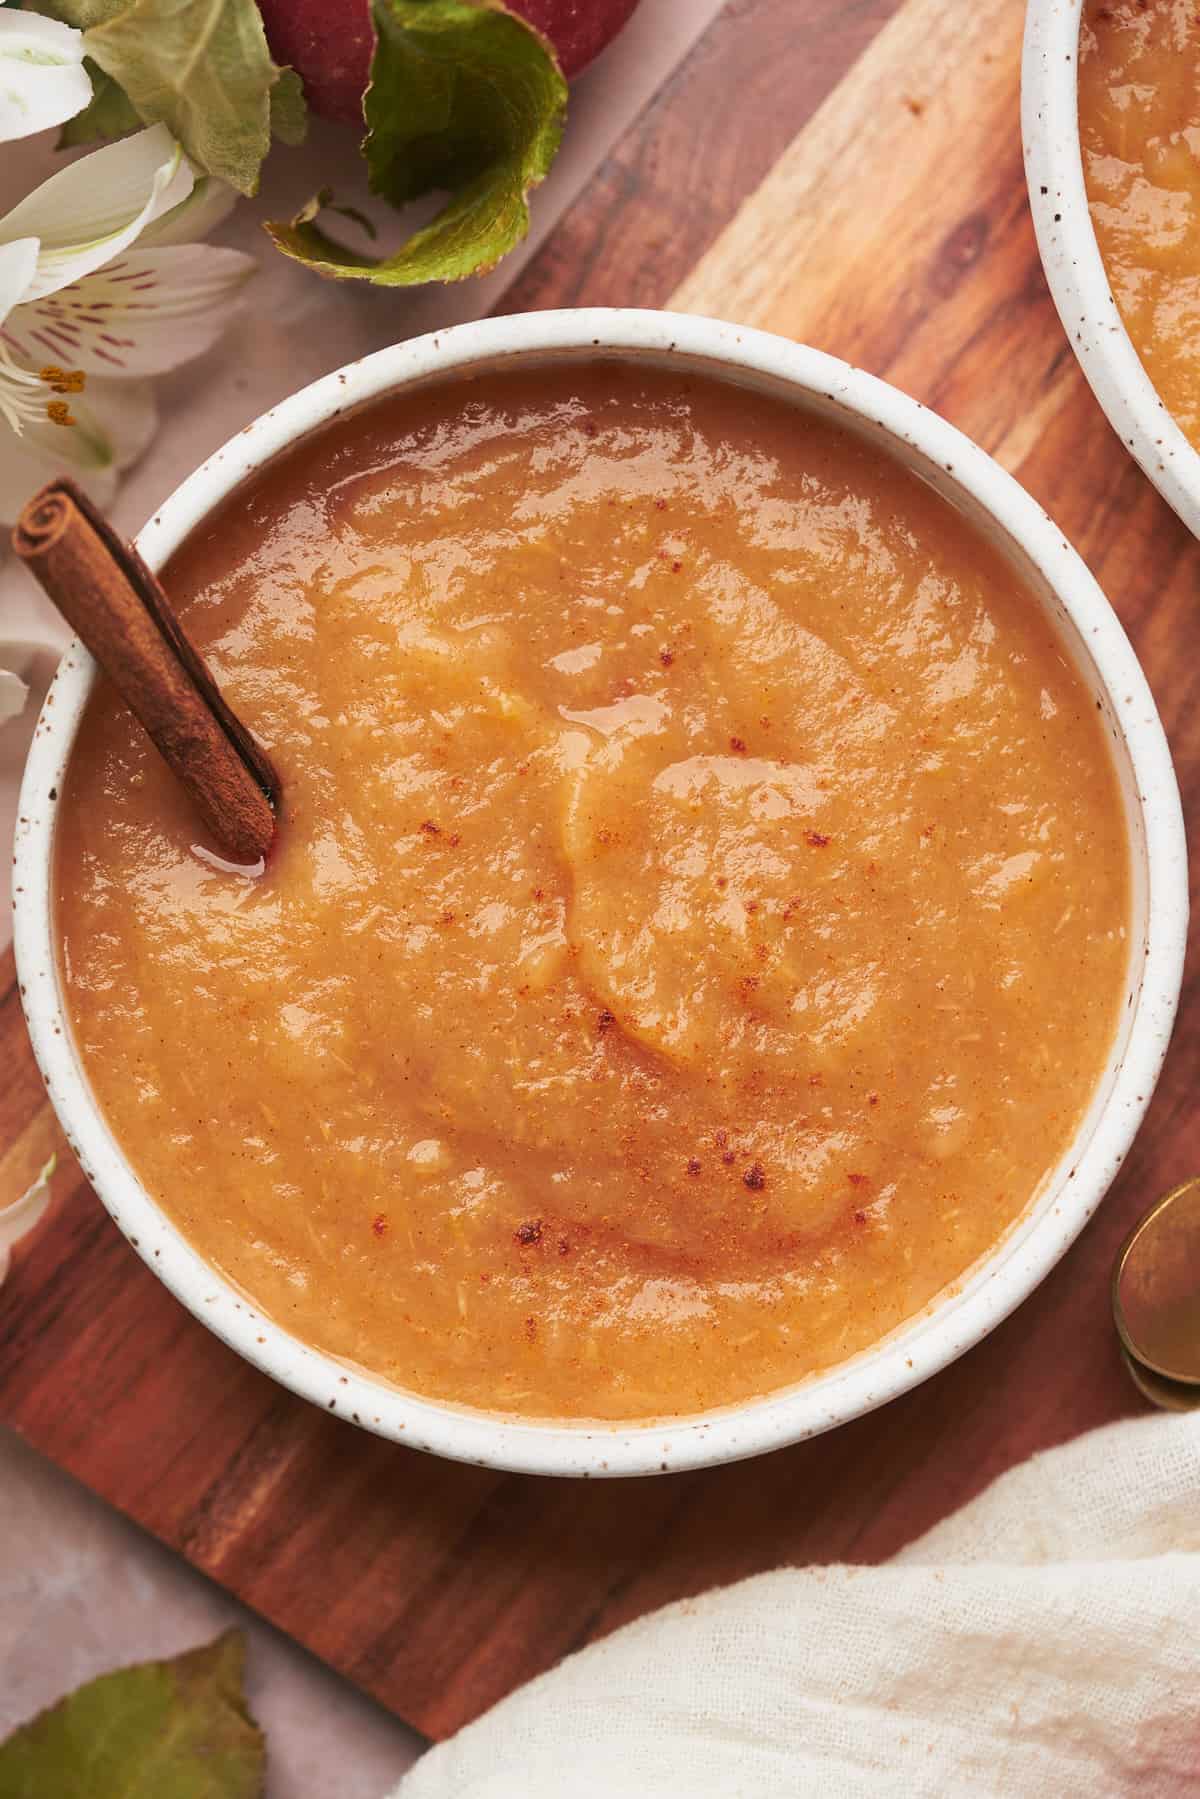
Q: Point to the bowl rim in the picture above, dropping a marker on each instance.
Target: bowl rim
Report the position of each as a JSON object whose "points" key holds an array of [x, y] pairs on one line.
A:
{"points": [[950, 1324], [1074, 267]]}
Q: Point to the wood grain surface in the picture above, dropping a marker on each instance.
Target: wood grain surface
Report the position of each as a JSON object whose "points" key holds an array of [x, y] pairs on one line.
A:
{"points": [[849, 174]]}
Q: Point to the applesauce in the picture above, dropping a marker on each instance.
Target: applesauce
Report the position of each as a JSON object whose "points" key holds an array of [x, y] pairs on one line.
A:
{"points": [[1139, 128], [699, 912]]}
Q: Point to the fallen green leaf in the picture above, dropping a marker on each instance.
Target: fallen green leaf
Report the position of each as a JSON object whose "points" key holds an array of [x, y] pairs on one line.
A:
{"points": [[464, 98], [107, 114], [176, 1729], [203, 68]]}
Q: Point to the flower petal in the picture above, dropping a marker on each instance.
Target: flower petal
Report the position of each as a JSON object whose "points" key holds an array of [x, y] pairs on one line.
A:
{"points": [[18, 261], [88, 213], [208, 205], [125, 413], [14, 695], [19, 1218], [114, 423], [42, 77], [145, 313], [25, 466]]}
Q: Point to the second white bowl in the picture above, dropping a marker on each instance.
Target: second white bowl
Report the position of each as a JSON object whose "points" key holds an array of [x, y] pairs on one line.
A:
{"points": [[1074, 267]]}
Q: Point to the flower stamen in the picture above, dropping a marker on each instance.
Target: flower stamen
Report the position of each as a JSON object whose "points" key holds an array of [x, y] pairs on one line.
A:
{"points": [[19, 392], [59, 413], [63, 381]]}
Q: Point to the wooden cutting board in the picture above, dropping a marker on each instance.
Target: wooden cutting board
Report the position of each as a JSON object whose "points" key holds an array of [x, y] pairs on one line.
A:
{"points": [[848, 172]]}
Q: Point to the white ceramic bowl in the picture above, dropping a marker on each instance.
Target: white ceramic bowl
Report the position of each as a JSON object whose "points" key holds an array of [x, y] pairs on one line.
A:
{"points": [[1071, 258], [971, 481]]}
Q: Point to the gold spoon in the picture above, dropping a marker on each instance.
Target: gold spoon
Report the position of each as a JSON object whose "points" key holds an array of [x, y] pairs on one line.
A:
{"points": [[1167, 1395], [1156, 1299]]}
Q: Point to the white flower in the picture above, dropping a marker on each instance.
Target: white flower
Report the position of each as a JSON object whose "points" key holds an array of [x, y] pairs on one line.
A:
{"points": [[85, 318], [19, 1216], [42, 77], [14, 693]]}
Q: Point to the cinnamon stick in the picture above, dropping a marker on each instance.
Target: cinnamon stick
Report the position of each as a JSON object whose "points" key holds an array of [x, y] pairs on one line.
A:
{"points": [[112, 601]]}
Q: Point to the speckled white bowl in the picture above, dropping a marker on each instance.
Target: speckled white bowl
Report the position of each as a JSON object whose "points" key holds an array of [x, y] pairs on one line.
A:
{"points": [[971, 481], [1071, 258]]}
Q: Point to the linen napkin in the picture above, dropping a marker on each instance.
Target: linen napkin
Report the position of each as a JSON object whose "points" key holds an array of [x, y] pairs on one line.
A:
{"points": [[1045, 1640]]}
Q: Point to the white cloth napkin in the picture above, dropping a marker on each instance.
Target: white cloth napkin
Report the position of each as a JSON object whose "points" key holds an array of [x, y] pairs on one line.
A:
{"points": [[1043, 1642]]}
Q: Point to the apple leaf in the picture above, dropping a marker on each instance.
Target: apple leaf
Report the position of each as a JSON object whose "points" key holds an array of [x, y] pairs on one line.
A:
{"points": [[175, 1729], [464, 98], [83, 14], [289, 112], [178, 60], [201, 67], [107, 114]]}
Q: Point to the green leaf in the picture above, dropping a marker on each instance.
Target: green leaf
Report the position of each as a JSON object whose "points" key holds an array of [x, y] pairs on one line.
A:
{"points": [[107, 114], [464, 98], [202, 67], [83, 14], [289, 112], [176, 1729]]}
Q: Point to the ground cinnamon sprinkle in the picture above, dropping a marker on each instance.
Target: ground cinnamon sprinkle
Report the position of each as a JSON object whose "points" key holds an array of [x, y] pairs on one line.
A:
{"points": [[379, 1225], [606, 1020], [666, 657], [721, 1139], [528, 1233], [754, 1177], [430, 829], [738, 745], [815, 840], [694, 1165]]}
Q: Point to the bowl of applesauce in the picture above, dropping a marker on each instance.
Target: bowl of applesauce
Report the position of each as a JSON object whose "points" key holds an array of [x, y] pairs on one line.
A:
{"points": [[1110, 115], [726, 918]]}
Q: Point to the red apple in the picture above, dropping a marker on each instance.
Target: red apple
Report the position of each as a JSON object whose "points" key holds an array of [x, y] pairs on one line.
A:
{"points": [[329, 42], [578, 29]]}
